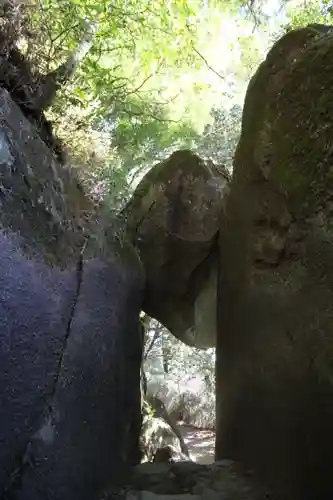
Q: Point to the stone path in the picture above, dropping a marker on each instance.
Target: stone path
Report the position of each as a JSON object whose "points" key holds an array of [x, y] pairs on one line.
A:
{"points": [[200, 443]]}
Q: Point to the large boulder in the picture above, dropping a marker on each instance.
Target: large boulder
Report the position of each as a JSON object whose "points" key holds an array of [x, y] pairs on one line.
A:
{"points": [[70, 341], [275, 314], [173, 219], [160, 413], [158, 439]]}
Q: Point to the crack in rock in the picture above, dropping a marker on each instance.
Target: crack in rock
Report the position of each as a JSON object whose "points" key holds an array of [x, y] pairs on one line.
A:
{"points": [[46, 432]]}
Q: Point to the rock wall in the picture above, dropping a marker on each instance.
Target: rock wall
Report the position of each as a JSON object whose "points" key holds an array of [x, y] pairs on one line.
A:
{"points": [[70, 343], [275, 316]]}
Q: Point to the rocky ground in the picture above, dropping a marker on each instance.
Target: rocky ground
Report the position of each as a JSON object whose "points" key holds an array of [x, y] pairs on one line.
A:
{"points": [[197, 479], [223, 480]]}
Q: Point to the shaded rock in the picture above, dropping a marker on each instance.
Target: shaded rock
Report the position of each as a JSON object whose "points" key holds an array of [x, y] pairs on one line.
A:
{"points": [[275, 316], [41, 202], [151, 469], [205, 306], [95, 409], [156, 433], [70, 342], [209, 494], [186, 479], [160, 411], [163, 455], [188, 468], [224, 463], [35, 308], [173, 219], [148, 495], [169, 454]]}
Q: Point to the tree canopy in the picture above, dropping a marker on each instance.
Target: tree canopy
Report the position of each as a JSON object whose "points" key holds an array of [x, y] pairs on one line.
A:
{"points": [[151, 77]]}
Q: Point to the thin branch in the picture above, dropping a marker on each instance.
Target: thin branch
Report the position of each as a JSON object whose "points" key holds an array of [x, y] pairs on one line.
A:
{"points": [[172, 99], [138, 18], [137, 89], [148, 115], [134, 91], [157, 334], [207, 63], [64, 32]]}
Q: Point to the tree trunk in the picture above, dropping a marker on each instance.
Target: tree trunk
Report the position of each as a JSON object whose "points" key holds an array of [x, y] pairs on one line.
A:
{"points": [[165, 354]]}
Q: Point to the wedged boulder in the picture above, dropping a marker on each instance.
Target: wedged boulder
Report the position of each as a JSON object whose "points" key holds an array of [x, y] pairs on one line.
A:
{"points": [[275, 315], [173, 219], [70, 341]]}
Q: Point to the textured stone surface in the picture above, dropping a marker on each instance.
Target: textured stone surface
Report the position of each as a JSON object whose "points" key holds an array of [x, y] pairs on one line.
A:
{"points": [[35, 308], [173, 219], [39, 200], [190, 481], [160, 430], [275, 315], [94, 409], [70, 342]]}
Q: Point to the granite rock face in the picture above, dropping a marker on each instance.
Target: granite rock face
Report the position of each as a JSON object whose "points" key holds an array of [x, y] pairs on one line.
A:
{"points": [[275, 315], [70, 343]]}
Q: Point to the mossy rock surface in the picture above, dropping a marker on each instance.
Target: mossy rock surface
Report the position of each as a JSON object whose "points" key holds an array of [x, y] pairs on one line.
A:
{"points": [[275, 314]]}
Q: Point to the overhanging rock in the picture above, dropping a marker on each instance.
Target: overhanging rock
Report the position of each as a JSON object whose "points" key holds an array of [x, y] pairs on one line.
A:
{"points": [[173, 219]]}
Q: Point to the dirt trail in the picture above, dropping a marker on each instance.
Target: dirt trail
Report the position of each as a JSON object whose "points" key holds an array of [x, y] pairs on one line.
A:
{"points": [[200, 443]]}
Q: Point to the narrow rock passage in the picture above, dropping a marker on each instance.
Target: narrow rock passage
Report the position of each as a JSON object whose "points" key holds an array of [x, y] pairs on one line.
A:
{"points": [[200, 443]]}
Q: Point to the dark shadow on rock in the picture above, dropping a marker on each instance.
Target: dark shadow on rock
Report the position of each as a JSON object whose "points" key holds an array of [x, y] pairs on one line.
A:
{"points": [[91, 435], [173, 219], [35, 307], [275, 315], [70, 343]]}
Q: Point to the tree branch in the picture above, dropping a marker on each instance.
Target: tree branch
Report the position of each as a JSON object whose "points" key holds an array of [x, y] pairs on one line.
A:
{"points": [[134, 91], [50, 83], [207, 63], [149, 115], [157, 334]]}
